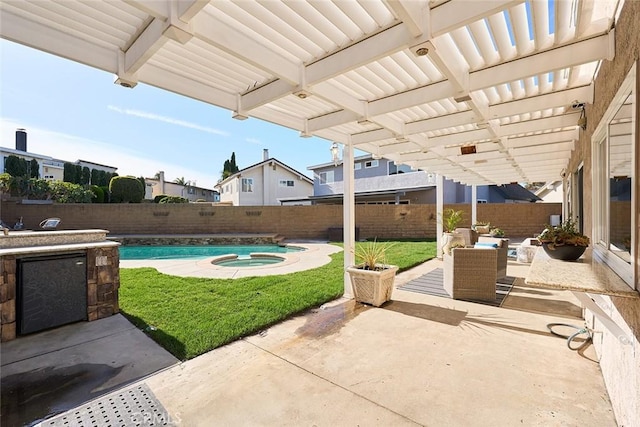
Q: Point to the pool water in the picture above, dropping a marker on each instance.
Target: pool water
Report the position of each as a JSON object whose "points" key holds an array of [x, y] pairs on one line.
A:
{"points": [[198, 252], [249, 262]]}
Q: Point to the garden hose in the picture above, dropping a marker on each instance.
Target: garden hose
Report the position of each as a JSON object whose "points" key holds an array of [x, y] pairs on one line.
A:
{"points": [[570, 338]]}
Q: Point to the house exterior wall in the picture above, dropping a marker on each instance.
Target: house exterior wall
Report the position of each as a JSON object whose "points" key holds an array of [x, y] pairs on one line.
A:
{"points": [[620, 363], [266, 186], [192, 193], [47, 166]]}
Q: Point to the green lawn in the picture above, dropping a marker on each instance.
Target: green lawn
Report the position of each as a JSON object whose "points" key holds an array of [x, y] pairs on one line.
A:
{"points": [[190, 316]]}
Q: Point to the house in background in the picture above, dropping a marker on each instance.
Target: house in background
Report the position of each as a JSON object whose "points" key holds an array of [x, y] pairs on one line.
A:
{"points": [[191, 192], [380, 181], [377, 181], [551, 192], [267, 183], [49, 168]]}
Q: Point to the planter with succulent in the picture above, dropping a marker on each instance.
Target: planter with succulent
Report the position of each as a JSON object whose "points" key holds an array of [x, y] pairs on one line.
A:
{"points": [[482, 227], [451, 239], [496, 232], [564, 241], [372, 278]]}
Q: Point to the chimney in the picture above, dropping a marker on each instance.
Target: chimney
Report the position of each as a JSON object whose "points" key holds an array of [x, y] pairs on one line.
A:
{"points": [[21, 140], [265, 154]]}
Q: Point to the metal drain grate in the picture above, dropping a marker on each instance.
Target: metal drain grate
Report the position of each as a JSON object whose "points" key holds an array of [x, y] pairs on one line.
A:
{"points": [[136, 407]]}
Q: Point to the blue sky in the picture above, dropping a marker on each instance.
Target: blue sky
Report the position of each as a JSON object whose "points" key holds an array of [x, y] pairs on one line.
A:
{"points": [[72, 111]]}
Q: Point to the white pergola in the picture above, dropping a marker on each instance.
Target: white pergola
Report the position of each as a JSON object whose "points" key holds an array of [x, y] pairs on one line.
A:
{"points": [[418, 82]]}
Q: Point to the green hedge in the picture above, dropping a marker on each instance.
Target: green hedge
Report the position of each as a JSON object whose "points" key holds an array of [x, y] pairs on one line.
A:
{"points": [[126, 189], [173, 199]]}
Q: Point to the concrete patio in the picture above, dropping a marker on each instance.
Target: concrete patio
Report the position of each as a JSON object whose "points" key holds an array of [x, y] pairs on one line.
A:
{"points": [[418, 360]]}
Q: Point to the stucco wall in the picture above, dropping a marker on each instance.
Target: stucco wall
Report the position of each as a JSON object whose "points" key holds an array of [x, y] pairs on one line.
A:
{"points": [[294, 222], [620, 363]]}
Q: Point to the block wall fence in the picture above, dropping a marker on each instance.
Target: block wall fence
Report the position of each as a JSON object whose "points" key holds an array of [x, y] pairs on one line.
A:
{"points": [[291, 222]]}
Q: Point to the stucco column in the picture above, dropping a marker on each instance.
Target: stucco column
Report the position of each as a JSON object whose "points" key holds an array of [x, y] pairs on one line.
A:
{"points": [[349, 215], [439, 213]]}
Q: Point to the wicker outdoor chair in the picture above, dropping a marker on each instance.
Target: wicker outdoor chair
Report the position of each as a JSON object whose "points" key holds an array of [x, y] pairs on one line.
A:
{"points": [[503, 251], [471, 273]]}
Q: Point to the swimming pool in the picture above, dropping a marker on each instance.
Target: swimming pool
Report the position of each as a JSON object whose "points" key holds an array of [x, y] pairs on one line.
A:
{"points": [[198, 252]]}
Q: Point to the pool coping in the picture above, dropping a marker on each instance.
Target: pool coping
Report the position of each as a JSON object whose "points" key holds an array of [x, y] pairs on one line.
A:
{"points": [[316, 254]]}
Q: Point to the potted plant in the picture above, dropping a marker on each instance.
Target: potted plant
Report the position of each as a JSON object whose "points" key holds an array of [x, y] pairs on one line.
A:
{"points": [[450, 220], [482, 227], [496, 232], [372, 278], [563, 241]]}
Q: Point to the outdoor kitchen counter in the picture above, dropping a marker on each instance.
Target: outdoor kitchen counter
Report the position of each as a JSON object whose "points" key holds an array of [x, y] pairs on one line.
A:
{"points": [[587, 274]]}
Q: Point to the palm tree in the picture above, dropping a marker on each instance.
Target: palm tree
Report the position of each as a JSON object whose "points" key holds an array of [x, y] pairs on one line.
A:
{"points": [[180, 181]]}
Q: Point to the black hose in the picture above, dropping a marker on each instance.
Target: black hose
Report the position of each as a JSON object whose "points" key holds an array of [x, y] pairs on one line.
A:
{"points": [[570, 338]]}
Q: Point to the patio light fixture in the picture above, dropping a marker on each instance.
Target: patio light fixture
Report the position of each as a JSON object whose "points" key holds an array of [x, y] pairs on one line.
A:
{"points": [[335, 153]]}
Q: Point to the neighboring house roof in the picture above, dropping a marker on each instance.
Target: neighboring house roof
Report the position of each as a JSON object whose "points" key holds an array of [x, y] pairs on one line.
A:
{"points": [[373, 193], [94, 163], [355, 159], [25, 153], [180, 185], [272, 159], [516, 192]]}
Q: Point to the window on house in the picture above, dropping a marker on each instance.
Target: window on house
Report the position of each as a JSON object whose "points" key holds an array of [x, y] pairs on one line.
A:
{"points": [[371, 164], [357, 166], [286, 183], [191, 190], [247, 185], [325, 177], [396, 169], [614, 146]]}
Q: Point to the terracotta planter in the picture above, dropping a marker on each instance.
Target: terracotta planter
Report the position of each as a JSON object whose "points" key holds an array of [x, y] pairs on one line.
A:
{"points": [[372, 287], [564, 253]]}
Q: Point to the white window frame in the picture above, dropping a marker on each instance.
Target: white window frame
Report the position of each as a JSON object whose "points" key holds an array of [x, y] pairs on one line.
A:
{"points": [[357, 166], [247, 185], [286, 182], [601, 187], [371, 164], [329, 178]]}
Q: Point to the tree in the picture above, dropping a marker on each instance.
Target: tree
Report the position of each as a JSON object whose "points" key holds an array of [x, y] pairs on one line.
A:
{"points": [[180, 181], [16, 166], [85, 176], [230, 167], [34, 169]]}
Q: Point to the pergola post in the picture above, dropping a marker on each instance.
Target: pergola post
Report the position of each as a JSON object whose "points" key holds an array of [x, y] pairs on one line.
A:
{"points": [[439, 213], [474, 204], [349, 217]]}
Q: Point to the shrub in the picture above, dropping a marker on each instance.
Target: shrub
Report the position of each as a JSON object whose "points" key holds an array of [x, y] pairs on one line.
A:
{"points": [[98, 194], [159, 197], [173, 199], [105, 191], [126, 189], [67, 192]]}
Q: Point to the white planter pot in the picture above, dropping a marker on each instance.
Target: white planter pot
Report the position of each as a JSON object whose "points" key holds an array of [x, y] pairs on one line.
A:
{"points": [[372, 287], [451, 239]]}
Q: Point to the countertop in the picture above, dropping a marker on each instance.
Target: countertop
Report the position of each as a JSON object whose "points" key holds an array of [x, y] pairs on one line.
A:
{"points": [[587, 274]]}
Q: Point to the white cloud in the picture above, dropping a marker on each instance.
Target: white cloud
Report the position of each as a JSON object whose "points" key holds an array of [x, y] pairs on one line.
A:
{"points": [[71, 148], [254, 141], [165, 119]]}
